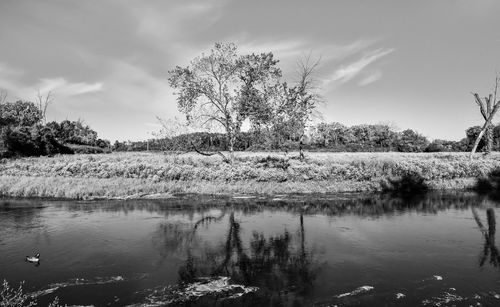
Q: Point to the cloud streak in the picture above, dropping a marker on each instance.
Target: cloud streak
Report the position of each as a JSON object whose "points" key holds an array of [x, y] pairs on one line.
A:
{"points": [[370, 78], [348, 72], [68, 89], [11, 81]]}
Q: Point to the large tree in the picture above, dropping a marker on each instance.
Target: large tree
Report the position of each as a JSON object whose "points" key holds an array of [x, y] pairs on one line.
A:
{"points": [[223, 88]]}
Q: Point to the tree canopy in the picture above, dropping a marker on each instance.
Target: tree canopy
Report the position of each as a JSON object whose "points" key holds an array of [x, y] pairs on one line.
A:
{"points": [[19, 113], [224, 88]]}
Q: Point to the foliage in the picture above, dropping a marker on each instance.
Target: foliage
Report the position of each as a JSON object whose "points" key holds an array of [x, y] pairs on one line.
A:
{"points": [[19, 113], [446, 146], [224, 88], [75, 132], [411, 141], [23, 134], [85, 149], [411, 182], [10, 297], [471, 134], [36, 140], [291, 109], [489, 183], [334, 137]]}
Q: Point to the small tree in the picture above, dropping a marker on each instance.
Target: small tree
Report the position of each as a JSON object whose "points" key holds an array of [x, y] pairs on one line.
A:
{"points": [[488, 109], [411, 141]]}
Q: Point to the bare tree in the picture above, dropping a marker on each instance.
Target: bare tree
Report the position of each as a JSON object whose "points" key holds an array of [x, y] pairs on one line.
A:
{"points": [[43, 102], [488, 107], [3, 96], [308, 86]]}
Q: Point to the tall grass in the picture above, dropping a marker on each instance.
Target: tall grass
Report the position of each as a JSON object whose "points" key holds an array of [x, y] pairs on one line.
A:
{"points": [[121, 174]]}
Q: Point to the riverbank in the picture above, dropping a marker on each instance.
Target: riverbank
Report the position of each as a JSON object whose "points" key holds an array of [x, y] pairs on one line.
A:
{"points": [[158, 175]]}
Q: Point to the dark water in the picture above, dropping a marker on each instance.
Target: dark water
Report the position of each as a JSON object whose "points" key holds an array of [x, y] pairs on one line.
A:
{"points": [[350, 250]]}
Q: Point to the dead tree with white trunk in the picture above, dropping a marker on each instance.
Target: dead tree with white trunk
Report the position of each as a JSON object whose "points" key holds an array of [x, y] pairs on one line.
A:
{"points": [[488, 107]]}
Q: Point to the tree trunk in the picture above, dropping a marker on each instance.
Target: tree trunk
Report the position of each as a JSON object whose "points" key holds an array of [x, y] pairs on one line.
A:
{"points": [[301, 152], [476, 143], [487, 124], [490, 213], [232, 140], [489, 139]]}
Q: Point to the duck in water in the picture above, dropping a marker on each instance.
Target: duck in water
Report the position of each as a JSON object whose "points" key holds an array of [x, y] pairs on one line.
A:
{"points": [[33, 259]]}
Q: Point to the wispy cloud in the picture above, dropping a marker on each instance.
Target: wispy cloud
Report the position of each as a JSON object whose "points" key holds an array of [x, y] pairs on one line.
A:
{"points": [[11, 80], [348, 72], [342, 51], [65, 88], [370, 78], [165, 23]]}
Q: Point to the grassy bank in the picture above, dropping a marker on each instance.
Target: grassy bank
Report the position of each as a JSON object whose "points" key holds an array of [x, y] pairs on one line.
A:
{"points": [[159, 175]]}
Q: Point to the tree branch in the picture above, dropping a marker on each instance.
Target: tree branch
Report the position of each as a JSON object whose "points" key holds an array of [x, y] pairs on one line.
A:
{"points": [[208, 154], [481, 105]]}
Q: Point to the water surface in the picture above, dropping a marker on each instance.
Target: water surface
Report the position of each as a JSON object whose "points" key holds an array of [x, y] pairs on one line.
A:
{"points": [[350, 250]]}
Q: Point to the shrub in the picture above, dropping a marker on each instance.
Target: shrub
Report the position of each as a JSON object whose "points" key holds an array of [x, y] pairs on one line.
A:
{"points": [[489, 183], [32, 141], [410, 182], [84, 149], [273, 162]]}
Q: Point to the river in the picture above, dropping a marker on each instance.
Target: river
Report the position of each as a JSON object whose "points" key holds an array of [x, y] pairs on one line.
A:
{"points": [[434, 249]]}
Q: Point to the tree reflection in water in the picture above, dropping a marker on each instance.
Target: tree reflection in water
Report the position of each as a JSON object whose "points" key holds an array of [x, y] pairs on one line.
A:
{"points": [[489, 249], [284, 271]]}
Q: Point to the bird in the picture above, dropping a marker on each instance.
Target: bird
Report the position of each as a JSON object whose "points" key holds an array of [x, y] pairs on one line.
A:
{"points": [[35, 258]]}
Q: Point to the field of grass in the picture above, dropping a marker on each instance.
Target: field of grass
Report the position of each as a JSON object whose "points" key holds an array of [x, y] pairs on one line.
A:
{"points": [[123, 175]]}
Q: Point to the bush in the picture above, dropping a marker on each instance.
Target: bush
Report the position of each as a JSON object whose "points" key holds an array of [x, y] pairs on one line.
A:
{"points": [[410, 182], [273, 162], [83, 149], [33, 141], [490, 183]]}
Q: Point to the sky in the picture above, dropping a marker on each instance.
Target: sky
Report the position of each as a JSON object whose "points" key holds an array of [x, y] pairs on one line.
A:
{"points": [[411, 64]]}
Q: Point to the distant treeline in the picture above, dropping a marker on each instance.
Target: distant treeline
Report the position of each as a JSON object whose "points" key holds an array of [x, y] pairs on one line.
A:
{"points": [[23, 132], [322, 137]]}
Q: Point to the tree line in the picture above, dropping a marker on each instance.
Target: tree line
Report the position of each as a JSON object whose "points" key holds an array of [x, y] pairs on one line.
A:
{"points": [[333, 137], [24, 132]]}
